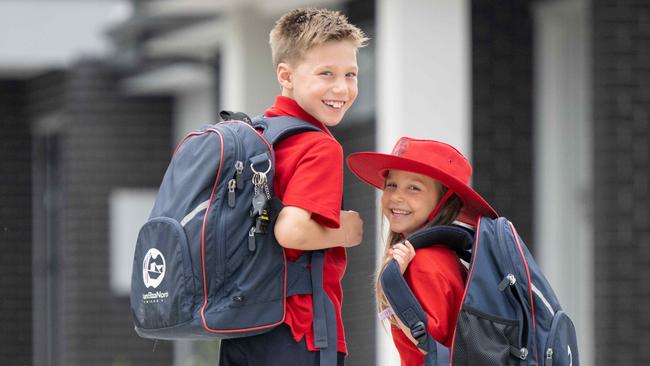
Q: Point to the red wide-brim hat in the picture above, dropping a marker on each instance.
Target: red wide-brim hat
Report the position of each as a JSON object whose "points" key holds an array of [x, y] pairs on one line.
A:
{"points": [[435, 159]]}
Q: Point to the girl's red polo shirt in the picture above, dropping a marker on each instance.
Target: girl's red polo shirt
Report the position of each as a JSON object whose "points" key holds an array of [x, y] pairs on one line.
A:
{"points": [[309, 175], [437, 278]]}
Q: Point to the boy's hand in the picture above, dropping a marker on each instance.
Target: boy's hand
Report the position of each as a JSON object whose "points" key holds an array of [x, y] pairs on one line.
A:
{"points": [[352, 226], [295, 229], [403, 253]]}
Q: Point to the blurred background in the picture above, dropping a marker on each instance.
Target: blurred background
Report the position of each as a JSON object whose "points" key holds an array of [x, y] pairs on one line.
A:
{"points": [[550, 100]]}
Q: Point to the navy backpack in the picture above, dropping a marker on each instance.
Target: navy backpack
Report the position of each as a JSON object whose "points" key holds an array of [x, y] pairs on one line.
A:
{"points": [[206, 263], [509, 315]]}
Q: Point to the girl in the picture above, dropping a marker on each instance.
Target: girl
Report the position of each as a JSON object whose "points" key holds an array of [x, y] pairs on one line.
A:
{"points": [[424, 183]]}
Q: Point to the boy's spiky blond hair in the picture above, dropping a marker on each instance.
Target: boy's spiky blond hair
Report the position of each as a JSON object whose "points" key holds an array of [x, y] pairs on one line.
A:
{"points": [[301, 29]]}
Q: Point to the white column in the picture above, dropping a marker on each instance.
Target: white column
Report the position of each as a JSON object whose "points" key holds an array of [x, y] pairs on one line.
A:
{"points": [[423, 85], [194, 108], [248, 82], [423, 78], [563, 175]]}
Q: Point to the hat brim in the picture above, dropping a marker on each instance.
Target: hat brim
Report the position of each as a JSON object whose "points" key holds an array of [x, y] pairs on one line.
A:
{"points": [[370, 167]]}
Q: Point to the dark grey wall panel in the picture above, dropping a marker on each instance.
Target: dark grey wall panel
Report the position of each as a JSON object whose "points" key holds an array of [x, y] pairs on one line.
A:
{"points": [[621, 79], [502, 108], [15, 226], [359, 312], [358, 284], [105, 141]]}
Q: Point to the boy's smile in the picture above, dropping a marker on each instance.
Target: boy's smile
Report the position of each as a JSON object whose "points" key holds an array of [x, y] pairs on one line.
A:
{"points": [[324, 82], [408, 199]]}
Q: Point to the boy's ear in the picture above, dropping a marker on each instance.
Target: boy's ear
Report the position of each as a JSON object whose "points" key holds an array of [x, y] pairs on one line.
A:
{"points": [[283, 72]]}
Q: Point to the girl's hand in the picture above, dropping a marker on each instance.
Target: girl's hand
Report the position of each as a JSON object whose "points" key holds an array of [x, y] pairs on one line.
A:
{"points": [[403, 253]]}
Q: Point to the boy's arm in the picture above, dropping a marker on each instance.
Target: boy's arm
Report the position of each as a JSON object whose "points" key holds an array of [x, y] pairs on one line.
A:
{"points": [[295, 229]]}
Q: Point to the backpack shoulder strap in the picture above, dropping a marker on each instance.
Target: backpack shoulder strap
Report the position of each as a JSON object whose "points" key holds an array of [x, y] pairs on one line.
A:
{"points": [[299, 280], [275, 129], [407, 307], [404, 303], [457, 238]]}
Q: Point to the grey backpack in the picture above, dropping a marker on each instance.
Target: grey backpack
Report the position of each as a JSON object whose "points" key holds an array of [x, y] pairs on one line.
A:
{"points": [[207, 264]]}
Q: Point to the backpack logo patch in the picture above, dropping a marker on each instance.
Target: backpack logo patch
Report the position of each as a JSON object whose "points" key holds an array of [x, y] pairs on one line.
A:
{"points": [[153, 272], [153, 268]]}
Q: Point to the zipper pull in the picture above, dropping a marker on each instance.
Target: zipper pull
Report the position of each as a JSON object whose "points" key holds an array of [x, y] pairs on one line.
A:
{"points": [[521, 353], [508, 280], [231, 192], [239, 169], [549, 357], [251, 239]]}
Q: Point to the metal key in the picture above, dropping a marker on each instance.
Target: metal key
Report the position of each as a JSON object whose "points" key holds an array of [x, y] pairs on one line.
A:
{"points": [[259, 204]]}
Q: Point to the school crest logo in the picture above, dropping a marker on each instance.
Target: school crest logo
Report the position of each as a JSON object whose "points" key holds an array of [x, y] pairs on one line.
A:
{"points": [[153, 268]]}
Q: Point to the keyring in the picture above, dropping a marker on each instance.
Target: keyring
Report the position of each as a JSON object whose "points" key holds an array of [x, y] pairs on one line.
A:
{"points": [[267, 169]]}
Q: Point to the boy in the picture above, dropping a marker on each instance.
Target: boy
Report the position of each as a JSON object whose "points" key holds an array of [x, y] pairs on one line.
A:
{"points": [[314, 53]]}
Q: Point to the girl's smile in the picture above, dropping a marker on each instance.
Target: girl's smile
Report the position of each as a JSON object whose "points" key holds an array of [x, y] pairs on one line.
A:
{"points": [[408, 199]]}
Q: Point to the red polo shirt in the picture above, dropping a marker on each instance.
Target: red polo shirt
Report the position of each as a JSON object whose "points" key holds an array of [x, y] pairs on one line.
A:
{"points": [[437, 278], [309, 175]]}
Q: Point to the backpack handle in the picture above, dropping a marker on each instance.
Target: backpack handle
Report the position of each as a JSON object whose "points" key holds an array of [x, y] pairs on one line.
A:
{"points": [[235, 116]]}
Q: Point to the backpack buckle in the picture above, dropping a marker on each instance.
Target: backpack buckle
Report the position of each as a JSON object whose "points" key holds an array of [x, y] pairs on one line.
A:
{"points": [[419, 332]]}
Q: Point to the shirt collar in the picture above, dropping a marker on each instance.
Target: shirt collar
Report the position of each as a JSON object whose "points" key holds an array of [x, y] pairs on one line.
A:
{"points": [[285, 106]]}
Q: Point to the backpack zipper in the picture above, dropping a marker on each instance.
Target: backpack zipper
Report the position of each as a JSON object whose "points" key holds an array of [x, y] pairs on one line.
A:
{"points": [[206, 289], [221, 226], [530, 316], [239, 169], [235, 183], [552, 334], [232, 183], [510, 281]]}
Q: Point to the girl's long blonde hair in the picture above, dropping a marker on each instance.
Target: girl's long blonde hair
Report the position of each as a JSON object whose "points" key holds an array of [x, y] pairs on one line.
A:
{"points": [[445, 216]]}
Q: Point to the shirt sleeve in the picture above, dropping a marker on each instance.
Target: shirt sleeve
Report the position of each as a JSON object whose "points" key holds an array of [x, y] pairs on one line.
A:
{"points": [[316, 185], [437, 279]]}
